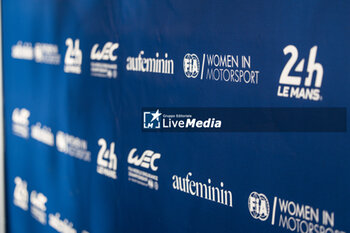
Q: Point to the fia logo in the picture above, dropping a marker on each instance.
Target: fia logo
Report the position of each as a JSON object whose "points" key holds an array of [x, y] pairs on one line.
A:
{"points": [[20, 195], [191, 65], [152, 119], [107, 159], [291, 85], [146, 160], [73, 58], [258, 206], [107, 52]]}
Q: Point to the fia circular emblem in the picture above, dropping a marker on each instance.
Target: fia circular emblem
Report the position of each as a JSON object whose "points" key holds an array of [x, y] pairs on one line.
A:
{"points": [[258, 205], [191, 65]]}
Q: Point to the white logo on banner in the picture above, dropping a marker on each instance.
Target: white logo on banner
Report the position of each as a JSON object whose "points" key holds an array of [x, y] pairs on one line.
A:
{"points": [[292, 216], [42, 134], [151, 120], [38, 208], [72, 146], [47, 53], [107, 159], [258, 206], [206, 191], [20, 195], [41, 52], [73, 58], [225, 68], [191, 65], [291, 86], [103, 67], [146, 160], [151, 64], [63, 226], [107, 52], [22, 51], [20, 122]]}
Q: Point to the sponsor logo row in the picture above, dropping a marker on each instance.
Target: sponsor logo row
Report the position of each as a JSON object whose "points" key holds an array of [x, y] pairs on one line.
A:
{"points": [[300, 78], [143, 170], [65, 143], [290, 215], [37, 203], [283, 213], [102, 58]]}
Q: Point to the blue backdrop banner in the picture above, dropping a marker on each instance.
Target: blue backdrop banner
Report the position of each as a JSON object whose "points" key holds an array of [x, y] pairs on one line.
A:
{"points": [[177, 116]]}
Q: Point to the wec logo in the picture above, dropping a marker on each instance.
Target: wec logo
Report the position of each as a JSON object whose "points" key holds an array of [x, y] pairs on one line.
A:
{"points": [[291, 86], [103, 60], [146, 160], [106, 53]]}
